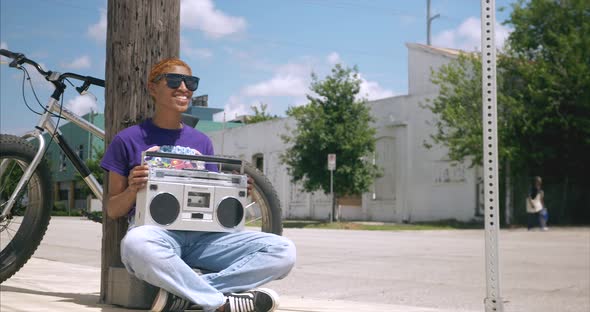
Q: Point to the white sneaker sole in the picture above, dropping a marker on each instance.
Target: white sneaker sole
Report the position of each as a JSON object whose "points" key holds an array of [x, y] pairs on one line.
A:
{"points": [[160, 301], [273, 295]]}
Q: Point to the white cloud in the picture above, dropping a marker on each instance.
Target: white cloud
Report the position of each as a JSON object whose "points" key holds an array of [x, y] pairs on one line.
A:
{"points": [[468, 36], [289, 86], [202, 15], [79, 63], [290, 79], [83, 104], [371, 90], [280, 85], [98, 31], [300, 101], [194, 14], [334, 58], [234, 107], [303, 68]]}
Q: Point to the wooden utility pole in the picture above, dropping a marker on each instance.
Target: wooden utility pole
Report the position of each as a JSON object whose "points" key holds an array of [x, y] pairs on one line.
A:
{"points": [[139, 34]]}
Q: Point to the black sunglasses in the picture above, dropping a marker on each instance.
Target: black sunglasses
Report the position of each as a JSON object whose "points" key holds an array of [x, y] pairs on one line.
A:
{"points": [[173, 81]]}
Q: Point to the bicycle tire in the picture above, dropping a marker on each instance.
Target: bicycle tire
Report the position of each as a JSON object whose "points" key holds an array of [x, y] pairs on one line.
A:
{"points": [[34, 217], [266, 198]]}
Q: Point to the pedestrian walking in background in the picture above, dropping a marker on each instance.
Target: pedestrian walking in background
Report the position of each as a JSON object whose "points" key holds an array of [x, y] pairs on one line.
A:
{"points": [[535, 206]]}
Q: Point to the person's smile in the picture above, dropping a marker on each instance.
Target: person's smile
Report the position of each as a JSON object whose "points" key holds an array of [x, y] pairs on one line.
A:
{"points": [[182, 98]]}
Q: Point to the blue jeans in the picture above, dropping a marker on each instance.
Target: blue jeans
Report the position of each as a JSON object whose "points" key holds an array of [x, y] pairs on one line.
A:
{"points": [[238, 261], [537, 219]]}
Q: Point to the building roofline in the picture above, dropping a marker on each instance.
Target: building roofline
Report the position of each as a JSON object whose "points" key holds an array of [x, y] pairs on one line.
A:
{"points": [[436, 50]]}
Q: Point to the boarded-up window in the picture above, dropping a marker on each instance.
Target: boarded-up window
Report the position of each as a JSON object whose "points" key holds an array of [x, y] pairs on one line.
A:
{"points": [[385, 160]]}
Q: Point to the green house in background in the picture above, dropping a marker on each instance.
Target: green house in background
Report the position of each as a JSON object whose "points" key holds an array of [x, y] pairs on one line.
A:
{"points": [[68, 189]]}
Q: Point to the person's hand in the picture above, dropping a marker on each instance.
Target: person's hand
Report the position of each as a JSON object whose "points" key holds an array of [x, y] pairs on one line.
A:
{"points": [[137, 178], [153, 149], [250, 185]]}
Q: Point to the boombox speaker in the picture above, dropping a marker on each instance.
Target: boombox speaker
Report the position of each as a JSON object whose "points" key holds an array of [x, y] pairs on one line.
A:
{"points": [[180, 197]]}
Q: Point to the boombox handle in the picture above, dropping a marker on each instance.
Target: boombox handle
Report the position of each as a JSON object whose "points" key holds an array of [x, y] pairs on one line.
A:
{"points": [[205, 158]]}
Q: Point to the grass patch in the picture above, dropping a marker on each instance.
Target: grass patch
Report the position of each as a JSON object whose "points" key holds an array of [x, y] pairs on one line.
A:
{"points": [[381, 226], [61, 213]]}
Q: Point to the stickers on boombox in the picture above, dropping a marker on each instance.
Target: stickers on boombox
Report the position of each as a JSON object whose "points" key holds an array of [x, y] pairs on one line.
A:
{"points": [[181, 195]]}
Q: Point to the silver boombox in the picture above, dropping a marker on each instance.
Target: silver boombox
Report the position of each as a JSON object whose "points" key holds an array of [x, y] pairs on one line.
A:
{"points": [[181, 196]]}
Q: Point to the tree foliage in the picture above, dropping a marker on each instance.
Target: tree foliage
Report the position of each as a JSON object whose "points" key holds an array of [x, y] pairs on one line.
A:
{"points": [[260, 114], [550, 46], [458, 110], [543, 92], [335, 121], [95, 168]]}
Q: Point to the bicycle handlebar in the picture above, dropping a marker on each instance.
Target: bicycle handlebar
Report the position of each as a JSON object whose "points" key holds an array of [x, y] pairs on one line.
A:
{"points": [[19, 59], [7, 53]]}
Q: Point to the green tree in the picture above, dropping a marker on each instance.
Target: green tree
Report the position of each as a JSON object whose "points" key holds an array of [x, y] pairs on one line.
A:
{"points": [[335, 121], [260, 114], [95, 168], [458, 111], [551, 48]]}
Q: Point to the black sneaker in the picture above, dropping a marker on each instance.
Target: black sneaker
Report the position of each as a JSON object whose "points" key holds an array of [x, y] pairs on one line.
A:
{"points": [[257, 300], [168, 302]]}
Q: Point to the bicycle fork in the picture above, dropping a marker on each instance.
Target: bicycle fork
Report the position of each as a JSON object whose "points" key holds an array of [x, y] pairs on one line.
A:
{"points": [[27, 173]]}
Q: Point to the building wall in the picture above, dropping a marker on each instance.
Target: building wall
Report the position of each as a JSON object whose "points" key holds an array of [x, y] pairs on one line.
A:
{"points": [[418, 184], [203, 113], [422, 60], [427, 186]]}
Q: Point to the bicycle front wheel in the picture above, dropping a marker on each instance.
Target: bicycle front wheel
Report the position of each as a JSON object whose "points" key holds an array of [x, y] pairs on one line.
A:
{"points": [[22, 229]]}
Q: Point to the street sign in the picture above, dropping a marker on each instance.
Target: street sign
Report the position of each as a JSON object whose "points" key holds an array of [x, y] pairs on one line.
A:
{"points": [[331, 162]]}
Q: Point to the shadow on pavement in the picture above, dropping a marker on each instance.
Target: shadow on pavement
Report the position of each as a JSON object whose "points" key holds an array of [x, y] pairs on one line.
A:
{"points": [[89, 300]]}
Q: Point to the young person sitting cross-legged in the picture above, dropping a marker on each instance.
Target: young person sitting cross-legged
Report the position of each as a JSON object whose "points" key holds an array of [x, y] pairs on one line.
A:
{"points": [[241, 261]]}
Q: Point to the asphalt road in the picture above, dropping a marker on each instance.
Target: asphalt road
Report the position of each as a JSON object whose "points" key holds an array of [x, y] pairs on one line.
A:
{"points": [[540, 271]]}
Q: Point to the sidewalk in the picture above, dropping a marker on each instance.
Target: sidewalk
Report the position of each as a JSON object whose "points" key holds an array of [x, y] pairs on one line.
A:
{"points": [[43, 285]]}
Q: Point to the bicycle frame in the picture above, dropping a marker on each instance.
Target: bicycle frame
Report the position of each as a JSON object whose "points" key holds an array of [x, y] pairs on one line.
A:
{"points": [[46, 124]]}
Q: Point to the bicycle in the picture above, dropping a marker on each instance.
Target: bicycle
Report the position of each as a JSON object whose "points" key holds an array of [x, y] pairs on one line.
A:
{"points": [[25, 181]]}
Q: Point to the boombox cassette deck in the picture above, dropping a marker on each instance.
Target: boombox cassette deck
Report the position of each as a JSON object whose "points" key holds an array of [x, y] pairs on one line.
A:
{"points": [[180, 196]]}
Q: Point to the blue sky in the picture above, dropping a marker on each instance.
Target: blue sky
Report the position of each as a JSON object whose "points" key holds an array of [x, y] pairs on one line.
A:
{"points": [[245, 52]]}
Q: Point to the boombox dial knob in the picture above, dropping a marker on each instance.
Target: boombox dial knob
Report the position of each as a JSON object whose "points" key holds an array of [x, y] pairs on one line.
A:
{"points": [[164, 208], [230, 212]]}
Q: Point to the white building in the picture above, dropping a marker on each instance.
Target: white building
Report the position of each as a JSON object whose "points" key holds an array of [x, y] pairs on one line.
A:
{"points": [[418, 184]]}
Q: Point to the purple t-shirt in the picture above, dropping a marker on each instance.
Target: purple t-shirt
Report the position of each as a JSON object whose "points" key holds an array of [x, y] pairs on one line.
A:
{"points": [[125, 150]]}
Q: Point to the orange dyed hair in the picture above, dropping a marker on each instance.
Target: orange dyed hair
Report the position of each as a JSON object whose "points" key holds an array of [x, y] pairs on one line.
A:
{"points": [[165, 65]]}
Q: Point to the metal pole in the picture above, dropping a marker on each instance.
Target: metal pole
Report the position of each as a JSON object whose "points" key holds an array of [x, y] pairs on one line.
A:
{"points": [[429, 21], [332, 193], [493, 300], [223, 133]]}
